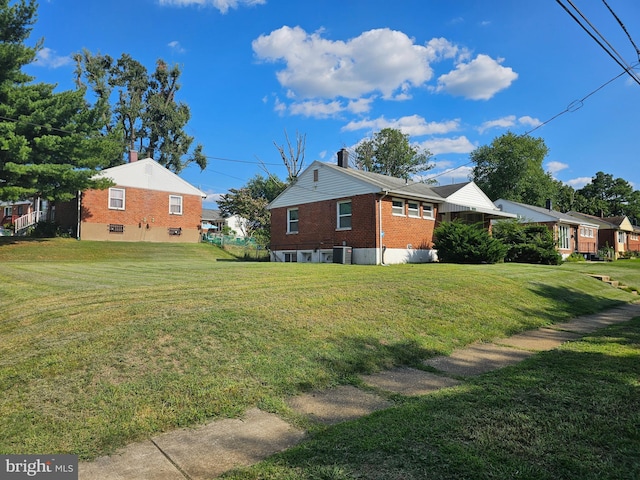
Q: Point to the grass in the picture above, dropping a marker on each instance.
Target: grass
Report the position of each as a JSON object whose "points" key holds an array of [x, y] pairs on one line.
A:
{"points": [[569, 413], [103, 343]]}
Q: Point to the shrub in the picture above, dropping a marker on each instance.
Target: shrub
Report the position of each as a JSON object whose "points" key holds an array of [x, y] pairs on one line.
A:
{"points": [[458, 242], [574, 257], [527, 243]]}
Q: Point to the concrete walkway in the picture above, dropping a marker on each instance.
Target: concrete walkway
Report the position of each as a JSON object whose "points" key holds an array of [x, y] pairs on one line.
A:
{"points": [[210, 450]]}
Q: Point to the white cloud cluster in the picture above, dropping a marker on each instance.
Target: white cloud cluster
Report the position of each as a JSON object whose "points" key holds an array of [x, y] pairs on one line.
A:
{"points": [[479, 79], [176, 47], [508, 122], [459, 144], [413, 125], [48, 58], [554, 167], [222, 5], [379, 63]]}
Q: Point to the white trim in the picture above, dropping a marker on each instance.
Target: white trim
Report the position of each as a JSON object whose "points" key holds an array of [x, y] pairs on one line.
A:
{"points": [[341, 216], [179, 205], [290, 220], [393, 207], [124, 195]]}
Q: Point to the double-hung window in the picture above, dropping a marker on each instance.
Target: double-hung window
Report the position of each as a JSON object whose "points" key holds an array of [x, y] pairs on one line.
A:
{"points": [[175, 205], [413, 208], [427, 210], [397, 206], [563, 237], [292, 220], [344, 215], [116, 198]]}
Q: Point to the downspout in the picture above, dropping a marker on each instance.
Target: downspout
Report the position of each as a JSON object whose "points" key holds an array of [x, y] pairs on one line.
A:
{"points": [[382, 249], [79, 213]]}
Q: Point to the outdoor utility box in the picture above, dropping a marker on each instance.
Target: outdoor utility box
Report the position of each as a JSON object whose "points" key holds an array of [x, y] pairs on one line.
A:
{"points": [[342, 255]]}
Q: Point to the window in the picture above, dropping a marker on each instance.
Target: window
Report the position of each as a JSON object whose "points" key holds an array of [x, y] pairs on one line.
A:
{"points": [[116, 228], [7, 211], [315, 175], [292, 220], [563, 237], [291, 257], [175, 205], [621, 237], [116, 198], [344, 215], [175, 231], [397, 207], [633, 236], [414, 209], [427, 210]]}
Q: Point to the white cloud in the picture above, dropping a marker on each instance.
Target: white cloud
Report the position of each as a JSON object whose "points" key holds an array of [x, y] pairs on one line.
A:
{"points": [[504, 122], [316, 108], [509, 121], [380, 60], [479, 79], [48, 58], [579, 182], [212, 197], [452, 175], [176, 47], [222, 5], [529, 121], [448, 145], [413, 125], [555, 167]]}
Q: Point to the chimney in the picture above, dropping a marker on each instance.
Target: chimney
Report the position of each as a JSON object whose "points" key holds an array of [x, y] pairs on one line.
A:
{"points": [[549, 205], [343, 158], [133, 156]]}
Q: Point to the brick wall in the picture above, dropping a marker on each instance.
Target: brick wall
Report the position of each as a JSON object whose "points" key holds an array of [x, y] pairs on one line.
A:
{"points": [[145, 217], [317, 226]]}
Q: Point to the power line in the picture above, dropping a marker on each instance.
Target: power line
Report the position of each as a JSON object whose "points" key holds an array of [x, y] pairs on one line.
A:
{"points": [[623, 28]]}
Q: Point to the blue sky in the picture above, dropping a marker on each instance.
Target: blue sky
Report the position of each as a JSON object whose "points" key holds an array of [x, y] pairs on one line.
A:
{"points": [[451, 74]]}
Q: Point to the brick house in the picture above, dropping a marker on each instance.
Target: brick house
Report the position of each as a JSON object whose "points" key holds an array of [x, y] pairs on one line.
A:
{"points": [[377, 218], [615, 232], [572, 234], [148, 203]]}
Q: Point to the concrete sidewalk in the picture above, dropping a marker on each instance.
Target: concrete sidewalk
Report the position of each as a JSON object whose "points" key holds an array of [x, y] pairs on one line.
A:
{"points": [[208, 451]]}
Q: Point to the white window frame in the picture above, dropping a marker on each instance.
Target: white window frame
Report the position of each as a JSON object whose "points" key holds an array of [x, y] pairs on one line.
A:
{"points": [[112, 198], [397, 210], [621, 237], [293, 221], [413, 212], [8, 211], [427, 211], [175, 201], [563, 237], [343, 216]]}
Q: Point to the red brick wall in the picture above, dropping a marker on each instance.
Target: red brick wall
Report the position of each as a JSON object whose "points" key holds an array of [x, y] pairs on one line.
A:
{"points": [[317, 226]]}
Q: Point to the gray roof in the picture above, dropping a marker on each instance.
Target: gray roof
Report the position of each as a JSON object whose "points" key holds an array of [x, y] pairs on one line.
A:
{"points": [[562, 217], [211, 215], [602, 222]]}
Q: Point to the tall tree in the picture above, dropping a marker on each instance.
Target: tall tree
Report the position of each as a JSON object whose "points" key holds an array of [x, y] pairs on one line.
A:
{"points": [[607, 196], [50, 143], [511, 168], [293, 158], [141, 108], [390, 153], [250, 202]]}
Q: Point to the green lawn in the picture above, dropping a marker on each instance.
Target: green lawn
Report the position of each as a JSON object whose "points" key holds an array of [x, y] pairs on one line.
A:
{"points": [[105, 343], [571, 413]]}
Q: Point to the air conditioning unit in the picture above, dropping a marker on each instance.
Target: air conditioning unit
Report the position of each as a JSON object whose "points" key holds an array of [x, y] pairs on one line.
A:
{"points": [[342, 255]]}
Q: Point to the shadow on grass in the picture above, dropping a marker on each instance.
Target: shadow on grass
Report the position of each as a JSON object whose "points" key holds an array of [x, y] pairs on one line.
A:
{"points": [[563, 414], [565, 300]]}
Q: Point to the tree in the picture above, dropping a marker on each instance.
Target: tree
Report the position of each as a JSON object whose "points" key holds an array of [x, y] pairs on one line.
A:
{"points": [[50, 143], [390, 153], [511, 168], [293, 159], [606, 197], [145, 114], [250, 202]]}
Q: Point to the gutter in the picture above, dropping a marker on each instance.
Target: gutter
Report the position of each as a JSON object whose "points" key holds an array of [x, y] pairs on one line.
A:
{"points": [[382, 248]]}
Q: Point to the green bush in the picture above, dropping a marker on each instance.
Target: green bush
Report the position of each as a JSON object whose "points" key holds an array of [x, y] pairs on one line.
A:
{"points": [[458, 242], [574, 257], [527, 243]]}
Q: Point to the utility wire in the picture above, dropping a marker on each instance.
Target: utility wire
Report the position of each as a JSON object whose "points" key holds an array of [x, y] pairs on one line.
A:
{"points": [[626, 68], [623, 28]]}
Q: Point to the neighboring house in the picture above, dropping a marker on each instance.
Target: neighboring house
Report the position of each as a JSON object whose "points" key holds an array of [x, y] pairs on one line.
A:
{"points": [[11, 211], [572, 234], [614, 232], [20, 215], [214, 222], [147, 203], [366, 217]]}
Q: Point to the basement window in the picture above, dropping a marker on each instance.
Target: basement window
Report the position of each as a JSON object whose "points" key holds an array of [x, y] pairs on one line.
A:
{"points": [[175, 231], [113, 228], [291, 257]]}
